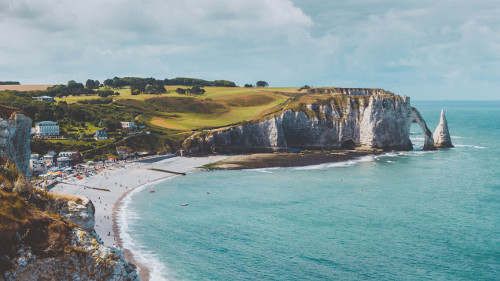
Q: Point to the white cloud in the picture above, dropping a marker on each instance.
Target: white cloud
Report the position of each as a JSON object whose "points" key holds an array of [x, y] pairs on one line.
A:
{"points": [[398, 45]]}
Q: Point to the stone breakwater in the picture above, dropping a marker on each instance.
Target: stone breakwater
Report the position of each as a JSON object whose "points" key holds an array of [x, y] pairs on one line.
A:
{"points": [[375, 121], [15, 131]]}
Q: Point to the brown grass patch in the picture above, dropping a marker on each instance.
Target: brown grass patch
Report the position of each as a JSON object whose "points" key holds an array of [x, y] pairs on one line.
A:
{"points": [[253, 100], [65, 197], [25, 87], [22, 224]]}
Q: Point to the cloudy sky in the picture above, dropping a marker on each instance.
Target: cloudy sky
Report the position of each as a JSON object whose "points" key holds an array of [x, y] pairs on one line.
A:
{"points": [[447, 49]]}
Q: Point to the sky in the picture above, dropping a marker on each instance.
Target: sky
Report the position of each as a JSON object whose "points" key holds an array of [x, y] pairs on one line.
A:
{"points": [[428, 50]]}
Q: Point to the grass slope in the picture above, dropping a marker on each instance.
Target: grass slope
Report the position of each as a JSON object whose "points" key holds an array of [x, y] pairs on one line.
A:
{"points": [[219, 106]]}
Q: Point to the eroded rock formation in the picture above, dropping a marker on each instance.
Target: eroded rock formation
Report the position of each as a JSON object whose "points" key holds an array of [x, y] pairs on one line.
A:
{"points": [[331, 122], [417, 118], [84, 258], [15, 131], [441, 135]]}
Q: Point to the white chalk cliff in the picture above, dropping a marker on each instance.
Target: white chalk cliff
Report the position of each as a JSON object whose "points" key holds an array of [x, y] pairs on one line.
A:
{"points": [[337, 121], [441, 135]]}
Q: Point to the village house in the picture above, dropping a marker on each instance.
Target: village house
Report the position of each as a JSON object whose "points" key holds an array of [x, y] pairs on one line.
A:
{"points": [[46, 129], [101, 135], [124, 151], [128, 125], [43, 98]]}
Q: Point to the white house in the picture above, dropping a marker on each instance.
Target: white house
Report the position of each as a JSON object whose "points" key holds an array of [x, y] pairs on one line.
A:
{"points": [[46, 128], [37, 166], [65, 154], [128, 125], [43, 98], [63, 161], [101, 135]]}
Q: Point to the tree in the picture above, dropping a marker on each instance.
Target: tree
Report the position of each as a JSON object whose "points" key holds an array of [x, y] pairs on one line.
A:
{"points": [[262, 84], [108, 82], [248, 86], [92, 84], [181, 91], [73, 85], [305, 87], [196, 90]]}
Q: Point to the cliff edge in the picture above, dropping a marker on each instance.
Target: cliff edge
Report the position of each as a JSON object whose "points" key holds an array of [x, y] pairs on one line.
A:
{"points": [[378, 120], [44, 236]]}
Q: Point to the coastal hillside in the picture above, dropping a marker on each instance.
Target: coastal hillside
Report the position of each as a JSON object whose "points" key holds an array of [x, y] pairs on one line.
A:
{"points": [[168, 118], [333, 119], [163, 120], [45, 236]]}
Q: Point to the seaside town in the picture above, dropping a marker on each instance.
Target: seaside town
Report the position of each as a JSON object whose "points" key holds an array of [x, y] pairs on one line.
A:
{"points": [[53, 167]]}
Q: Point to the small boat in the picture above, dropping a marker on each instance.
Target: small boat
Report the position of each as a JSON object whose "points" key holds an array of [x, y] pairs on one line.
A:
{"points": [[151, 191], [184, 205]]}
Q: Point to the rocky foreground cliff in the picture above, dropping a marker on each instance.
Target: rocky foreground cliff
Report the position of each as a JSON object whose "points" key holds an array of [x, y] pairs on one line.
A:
{"points": [[45, 236], [334, 119]]}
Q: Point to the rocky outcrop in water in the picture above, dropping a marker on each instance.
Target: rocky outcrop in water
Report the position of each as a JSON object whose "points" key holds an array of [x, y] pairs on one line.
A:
{"points": [[441, 135], [334, 122], [15, 132]]}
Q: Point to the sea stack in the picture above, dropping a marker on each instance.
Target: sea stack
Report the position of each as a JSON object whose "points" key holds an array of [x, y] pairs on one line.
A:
{"points": [[441, 135]]}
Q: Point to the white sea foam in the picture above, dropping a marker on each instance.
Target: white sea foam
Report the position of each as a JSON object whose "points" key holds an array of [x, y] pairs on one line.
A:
{"points": [[126, 217], [264, 170], [468, 146], [342, 164]]}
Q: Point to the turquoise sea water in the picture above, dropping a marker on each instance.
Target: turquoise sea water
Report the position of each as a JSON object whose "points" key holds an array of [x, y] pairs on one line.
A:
{"points": [[402, 216]]}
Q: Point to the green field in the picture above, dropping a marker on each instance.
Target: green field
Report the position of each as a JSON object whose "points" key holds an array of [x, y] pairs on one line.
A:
{"points": [[218, 107]]}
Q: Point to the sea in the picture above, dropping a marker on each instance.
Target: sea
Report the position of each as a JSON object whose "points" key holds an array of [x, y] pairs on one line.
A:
{"points": [[415, 215]]}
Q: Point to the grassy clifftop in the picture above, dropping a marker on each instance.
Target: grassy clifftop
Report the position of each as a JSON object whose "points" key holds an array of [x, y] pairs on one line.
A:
{"points": [[170, 117]]}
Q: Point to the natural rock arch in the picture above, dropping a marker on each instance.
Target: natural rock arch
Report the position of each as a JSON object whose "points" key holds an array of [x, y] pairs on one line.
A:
{"points": [[417, 118]]}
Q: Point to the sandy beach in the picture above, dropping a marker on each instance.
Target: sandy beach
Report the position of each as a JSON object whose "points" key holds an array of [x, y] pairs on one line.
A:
{"points": [[120, 181]]}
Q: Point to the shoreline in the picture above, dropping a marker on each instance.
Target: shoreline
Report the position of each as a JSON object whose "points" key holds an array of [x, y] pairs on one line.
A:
{"points": [[143, 271], [119, 182], [110, 230]]}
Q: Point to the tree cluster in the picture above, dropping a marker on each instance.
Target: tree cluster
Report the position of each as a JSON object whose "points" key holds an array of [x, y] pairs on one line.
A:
{"points": [[183, 81], [195, 90], [261, 84], [92, 84], [9, 83]]}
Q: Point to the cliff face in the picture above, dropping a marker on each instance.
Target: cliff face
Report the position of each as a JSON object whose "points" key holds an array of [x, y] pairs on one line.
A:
{"points": [[15, 131], [376, 121], [84, 257]]}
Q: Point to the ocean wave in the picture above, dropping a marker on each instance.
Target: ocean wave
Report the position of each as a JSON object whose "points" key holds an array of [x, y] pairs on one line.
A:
{"points": [[456, 137], [264, 170], [469, 146], [125, 219], [343, 164]]}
